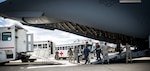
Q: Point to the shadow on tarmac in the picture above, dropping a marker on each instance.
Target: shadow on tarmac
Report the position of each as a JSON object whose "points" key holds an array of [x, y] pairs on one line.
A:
{"points": [[27, 64], [124, 62]]}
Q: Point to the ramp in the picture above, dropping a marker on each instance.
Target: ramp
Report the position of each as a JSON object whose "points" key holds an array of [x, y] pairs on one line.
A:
{"points": [[116, 57]]}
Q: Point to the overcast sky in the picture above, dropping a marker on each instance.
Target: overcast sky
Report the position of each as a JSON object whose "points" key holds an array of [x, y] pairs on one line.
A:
{"points": [[57, 36]]}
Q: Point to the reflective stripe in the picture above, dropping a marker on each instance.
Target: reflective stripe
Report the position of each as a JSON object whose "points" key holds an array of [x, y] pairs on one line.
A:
{"points": [[6, 47]]}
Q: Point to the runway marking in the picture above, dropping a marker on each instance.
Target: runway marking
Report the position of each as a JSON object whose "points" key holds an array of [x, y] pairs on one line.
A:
{"points": [[33, 67]]}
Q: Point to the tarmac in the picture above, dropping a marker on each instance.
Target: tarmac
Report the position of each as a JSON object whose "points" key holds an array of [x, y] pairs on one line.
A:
{"points": [[139, 64]]}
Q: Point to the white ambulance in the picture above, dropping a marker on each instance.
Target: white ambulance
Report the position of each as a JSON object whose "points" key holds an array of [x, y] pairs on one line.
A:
{"points": [[15, 43], [43, 49], [63, 49]]}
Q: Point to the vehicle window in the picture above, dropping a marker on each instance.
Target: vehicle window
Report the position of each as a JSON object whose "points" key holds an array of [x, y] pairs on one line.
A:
{"points": [[35, 45], [58, 48], [90, 47], [44, 45], [82, 46], [50, 45], [39, 46], [0, 36], [66, 48], [6, 36], [61, 48]]}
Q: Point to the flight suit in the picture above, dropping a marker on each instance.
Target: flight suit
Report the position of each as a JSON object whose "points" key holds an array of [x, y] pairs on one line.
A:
{"points": [[105, 53], [128, 53]]}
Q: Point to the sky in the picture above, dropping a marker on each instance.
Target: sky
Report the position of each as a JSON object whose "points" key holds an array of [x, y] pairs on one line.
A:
{"points": [[2, 1], [56, 36]]}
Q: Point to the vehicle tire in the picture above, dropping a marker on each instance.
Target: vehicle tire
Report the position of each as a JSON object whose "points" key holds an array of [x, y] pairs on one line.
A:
{"points": [[24, 60], [32, 60], [1, 64]]}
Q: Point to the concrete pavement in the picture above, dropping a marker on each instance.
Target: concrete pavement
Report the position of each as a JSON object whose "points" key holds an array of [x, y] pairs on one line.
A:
{"points": [[141, 66]]}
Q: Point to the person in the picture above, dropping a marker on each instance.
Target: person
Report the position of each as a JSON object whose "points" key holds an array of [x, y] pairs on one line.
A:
{"points": [[98, 51], [76, 57], [119, 48], [79, 55], [70, 54], [57, 55], [86, 54], [89, 47], [105, 53], [128, 53]]}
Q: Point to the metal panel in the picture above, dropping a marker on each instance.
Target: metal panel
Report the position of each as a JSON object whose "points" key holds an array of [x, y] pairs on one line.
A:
{"points": [[149, 41], [21, 40], [130, 1]]}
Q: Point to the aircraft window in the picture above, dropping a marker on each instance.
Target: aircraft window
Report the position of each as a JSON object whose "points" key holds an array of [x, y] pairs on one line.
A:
{"points": [[6, 36]]}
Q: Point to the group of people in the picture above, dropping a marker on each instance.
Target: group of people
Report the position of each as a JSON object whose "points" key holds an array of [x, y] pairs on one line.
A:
{"points": [[104, 51], [77, 54], [100, 50]]}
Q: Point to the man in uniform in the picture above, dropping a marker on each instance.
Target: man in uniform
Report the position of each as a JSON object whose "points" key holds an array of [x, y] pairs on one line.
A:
{"points": [[128, 53], [98, 51], [105, 53]]}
